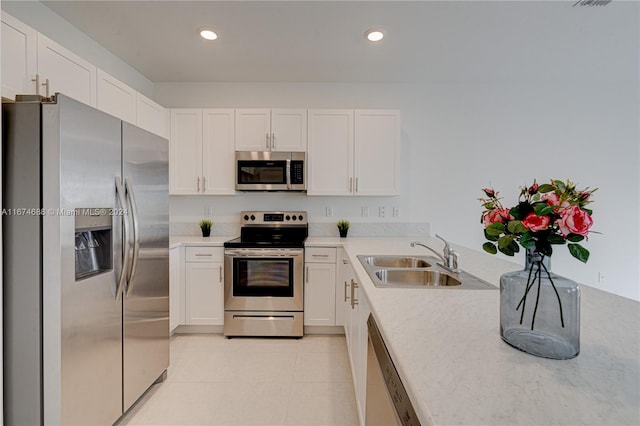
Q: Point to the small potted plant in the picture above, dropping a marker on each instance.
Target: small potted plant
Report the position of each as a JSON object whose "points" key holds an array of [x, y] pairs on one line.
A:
{"points": [[343, 228], [205, 226]]}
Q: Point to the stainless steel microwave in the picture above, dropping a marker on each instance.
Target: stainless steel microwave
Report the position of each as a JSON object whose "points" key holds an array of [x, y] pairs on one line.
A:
{"points": [[270, 171]]}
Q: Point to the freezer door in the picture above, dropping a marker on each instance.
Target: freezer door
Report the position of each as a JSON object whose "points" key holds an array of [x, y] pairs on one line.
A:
{"points": [[146, 301], [82, 316]]}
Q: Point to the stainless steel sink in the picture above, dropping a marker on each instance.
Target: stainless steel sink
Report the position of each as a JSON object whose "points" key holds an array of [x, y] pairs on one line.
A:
{"points": [[397, 262], [416, 277], [407, 271]]}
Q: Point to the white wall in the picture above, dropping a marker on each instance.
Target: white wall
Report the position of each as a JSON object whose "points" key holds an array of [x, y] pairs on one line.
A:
{"points": [[45, 21], [458, 138]]}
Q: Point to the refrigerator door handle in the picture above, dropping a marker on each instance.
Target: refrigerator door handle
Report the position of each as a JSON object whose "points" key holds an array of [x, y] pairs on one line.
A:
{"points": [[136, 234], [127, 231]]}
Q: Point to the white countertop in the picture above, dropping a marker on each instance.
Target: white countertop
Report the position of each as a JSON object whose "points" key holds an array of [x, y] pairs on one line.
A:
{"points": [[213, 241], [447, 348]]}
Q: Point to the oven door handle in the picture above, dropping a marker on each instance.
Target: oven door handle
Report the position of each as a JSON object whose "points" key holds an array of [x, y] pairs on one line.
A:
{"points": [[263, 253]]}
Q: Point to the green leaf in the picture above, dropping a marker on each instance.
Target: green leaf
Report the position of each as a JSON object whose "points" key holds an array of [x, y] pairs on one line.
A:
{"points": [[542, 209], [514, 246], [526, 240], [516, 227], [575, 238], [544, 248], [491, 237], [555, 239], [490, 248], [508, 250], [505, 241], [545, 187], [560, 184], [496, 228], [517, 213], [579, 252]]}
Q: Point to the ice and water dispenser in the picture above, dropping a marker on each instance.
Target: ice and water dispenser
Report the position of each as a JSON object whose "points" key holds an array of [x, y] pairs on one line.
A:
{"points": [[93, 243]]}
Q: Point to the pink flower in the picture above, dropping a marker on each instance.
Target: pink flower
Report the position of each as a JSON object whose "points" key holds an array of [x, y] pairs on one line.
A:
{"points": [[552, 199], [574, 220], [496, 215], [534, 222]]}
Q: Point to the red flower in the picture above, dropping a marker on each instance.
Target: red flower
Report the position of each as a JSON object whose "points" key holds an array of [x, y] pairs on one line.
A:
{"points": [[490, 192], [496, 215], [534, 222], [574, 220]]}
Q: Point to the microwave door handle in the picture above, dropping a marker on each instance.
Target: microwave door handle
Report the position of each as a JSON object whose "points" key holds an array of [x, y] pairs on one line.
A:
{"points": [[288, 173]]}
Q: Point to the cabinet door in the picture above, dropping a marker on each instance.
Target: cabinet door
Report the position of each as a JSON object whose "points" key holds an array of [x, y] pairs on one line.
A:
{"points": [[67, 72], [377, 151], [185, 160], [116, 98], [18, 57], [204, 293], [320, 294], [218, 157], [360, 341], [330, 146], [289, 130], [253, 130], [151, 116], [176, 288], [343, 277]]}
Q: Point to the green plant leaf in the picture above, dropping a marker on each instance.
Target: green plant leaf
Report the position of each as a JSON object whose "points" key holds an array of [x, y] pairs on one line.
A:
{"points": [[555, 239], [516, 227], [542, 209], [491, 237], [560, 184], [490, 248], [579, 252], [526, 240], [545, 187], [516, 213], [495, 229], [514, 246], [544, 247], [508, 250], [505, 241], [575, 238]]}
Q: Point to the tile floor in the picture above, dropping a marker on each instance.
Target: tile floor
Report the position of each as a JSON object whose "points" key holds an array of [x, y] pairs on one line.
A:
{"points": [[251, 381]]}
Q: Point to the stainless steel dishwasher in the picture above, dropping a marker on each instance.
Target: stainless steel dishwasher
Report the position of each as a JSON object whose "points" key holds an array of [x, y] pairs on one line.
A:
{"points": [[387, 400]]}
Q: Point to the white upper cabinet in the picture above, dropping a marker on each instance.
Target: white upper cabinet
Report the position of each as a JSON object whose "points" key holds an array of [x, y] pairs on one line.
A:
{"points": [[377, 152], [151, 116], [271, 130], [353, 152], [330, 157], [116, 98], [19, 46], [65, 72], [202, 151]]}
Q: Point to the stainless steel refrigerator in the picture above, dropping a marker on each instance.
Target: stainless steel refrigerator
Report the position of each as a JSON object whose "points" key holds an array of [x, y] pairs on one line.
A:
{"points": [[85, 265]]}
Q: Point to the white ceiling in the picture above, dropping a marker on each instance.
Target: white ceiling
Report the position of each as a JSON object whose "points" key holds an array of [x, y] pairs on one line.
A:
{"points": [[322, 41]]}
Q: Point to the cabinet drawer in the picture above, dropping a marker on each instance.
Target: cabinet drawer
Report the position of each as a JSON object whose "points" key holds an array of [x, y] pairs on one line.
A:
{"points": [[320, 254], [204, 254]]}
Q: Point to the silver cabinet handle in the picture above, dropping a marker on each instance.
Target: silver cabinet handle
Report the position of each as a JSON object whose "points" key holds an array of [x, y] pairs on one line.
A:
{"points": [[198, 188], [350, 184], [356, 184], [204, 254], [268, 141], [319, 255], [46, 86], [307, 276], [204, 184], [346, 284], [127, 243], [354, 301], [37, 81], [273, 141], [136, 234], [220, 270]]}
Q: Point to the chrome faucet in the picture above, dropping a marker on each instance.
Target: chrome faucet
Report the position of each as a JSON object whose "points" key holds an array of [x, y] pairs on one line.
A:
{"points": [[450, 258]]}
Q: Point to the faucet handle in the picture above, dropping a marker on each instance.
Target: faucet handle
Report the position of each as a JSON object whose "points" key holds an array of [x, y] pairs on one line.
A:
{"points": [[446, 249]]}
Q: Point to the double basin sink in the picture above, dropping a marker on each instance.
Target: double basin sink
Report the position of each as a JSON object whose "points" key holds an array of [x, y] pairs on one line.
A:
{"points": [[401, 271]]}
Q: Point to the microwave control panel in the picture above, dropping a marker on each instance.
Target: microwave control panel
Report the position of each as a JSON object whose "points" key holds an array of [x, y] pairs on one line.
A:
{"points": [[297, 172]]}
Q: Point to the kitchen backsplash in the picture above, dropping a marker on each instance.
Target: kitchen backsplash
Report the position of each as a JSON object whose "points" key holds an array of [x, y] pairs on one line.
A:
{"points": [[324, 229]]}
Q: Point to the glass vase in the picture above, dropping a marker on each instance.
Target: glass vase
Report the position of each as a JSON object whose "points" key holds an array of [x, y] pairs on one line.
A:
{"points": [[539, 310]]}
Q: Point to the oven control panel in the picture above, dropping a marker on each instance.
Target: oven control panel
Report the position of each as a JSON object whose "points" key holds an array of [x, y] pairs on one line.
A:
{"points": [[273, 218]]}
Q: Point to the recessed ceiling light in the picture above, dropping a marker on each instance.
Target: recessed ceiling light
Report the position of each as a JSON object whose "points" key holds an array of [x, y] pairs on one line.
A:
{"points": [[374, 34], [208, 34]]}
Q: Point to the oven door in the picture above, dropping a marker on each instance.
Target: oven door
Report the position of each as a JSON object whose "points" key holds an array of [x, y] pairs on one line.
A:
{"points": [[263, 280]]}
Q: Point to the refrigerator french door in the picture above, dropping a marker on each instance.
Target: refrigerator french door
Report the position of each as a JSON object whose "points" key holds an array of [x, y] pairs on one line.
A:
{"points": [[85, 325]]}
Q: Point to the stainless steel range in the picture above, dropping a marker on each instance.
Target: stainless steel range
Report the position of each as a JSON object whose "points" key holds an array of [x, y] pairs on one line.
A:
{"points": [[263, 285]]}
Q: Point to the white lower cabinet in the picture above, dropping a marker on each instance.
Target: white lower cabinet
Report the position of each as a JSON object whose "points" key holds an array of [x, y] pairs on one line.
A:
{"points": [[204, 286], [320, 286]]}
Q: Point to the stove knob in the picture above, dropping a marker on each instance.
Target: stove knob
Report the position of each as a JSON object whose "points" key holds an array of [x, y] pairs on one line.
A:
{"points": [[294, 217], [246, 217], [253, 217], [288, 217], [300, 217]]}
